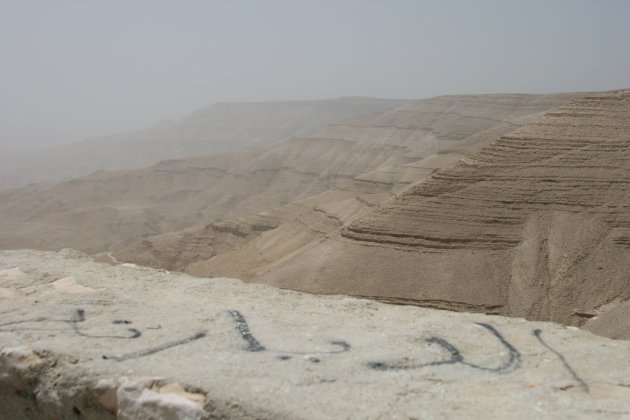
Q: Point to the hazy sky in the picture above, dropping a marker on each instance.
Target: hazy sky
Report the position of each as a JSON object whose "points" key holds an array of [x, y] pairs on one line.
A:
{"points": [[72, 69]]}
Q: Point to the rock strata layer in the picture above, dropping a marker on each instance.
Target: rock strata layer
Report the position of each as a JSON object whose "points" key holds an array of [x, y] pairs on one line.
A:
{"points": [[335, 176], [80, 339], [366, 156], [537, 224]]}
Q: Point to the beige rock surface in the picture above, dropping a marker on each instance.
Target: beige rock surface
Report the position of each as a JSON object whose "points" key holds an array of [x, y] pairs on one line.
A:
{"points": [[535, 225], [106, 211], [356, 164], [611, 320], [142, 343]]}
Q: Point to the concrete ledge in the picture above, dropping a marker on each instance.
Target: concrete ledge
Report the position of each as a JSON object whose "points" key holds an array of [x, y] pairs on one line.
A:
{"points": [[86, 340]]}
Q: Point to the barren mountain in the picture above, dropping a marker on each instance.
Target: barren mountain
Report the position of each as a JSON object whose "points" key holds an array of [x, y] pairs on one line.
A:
{"points": [[219, 128], [315, 184], [536, 225], [357, 164]]}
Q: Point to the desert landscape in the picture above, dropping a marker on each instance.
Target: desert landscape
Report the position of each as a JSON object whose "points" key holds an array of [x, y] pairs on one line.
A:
{"points": [[410, 250], [507, 205]]}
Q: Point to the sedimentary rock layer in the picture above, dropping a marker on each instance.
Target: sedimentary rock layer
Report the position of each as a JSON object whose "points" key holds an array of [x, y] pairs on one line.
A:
{"points": [[537, 224], [575, 159], [105, 211], [356, 164]]}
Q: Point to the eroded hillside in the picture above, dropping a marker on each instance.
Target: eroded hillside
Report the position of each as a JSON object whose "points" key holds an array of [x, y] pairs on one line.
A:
{"points": [[537, 225], [219, 128], [108, 210], [356, 164]]}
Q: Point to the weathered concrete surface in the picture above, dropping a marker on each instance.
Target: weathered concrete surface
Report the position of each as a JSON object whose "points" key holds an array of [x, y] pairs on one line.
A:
{"points": [[87, 340]]}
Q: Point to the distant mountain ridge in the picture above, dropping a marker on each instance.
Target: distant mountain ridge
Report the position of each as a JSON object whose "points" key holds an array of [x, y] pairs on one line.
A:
{"points": [[506, 204], [357, 162], [219, 128]]}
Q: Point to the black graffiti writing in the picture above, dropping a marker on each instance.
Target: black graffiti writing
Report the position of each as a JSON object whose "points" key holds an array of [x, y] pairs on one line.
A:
{"points": [[79, 317], [512, 362], [253, 345], [538, 334], [157, 349], [341, 347], [241, 325], [21, 325]]}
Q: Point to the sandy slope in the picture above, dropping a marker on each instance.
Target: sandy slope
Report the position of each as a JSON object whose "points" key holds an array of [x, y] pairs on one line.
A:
{"points": [[219, 128], [358, 164], [374, 154], [535, 225]]}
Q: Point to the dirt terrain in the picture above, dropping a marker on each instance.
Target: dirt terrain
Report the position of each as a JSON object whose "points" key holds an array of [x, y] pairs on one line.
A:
{"points": [[218, 128], [504, 204], [357, 164], [105, 211], [535, 225]]}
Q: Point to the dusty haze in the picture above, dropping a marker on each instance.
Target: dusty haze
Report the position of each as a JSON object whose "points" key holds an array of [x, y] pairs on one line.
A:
{"points": [[72, 70], [356, 165]]}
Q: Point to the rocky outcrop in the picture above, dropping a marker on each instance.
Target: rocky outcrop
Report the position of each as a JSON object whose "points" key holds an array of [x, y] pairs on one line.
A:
{"points": [[85, 340], [574, 159], [178, 250], [107, 211], [356, 164], [534, 225]]}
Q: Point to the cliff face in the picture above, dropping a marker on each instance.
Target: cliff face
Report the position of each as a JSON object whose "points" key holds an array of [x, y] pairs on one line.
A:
{"points": [[537, 224], [338, 175], [86, 340], [105, 211]]}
